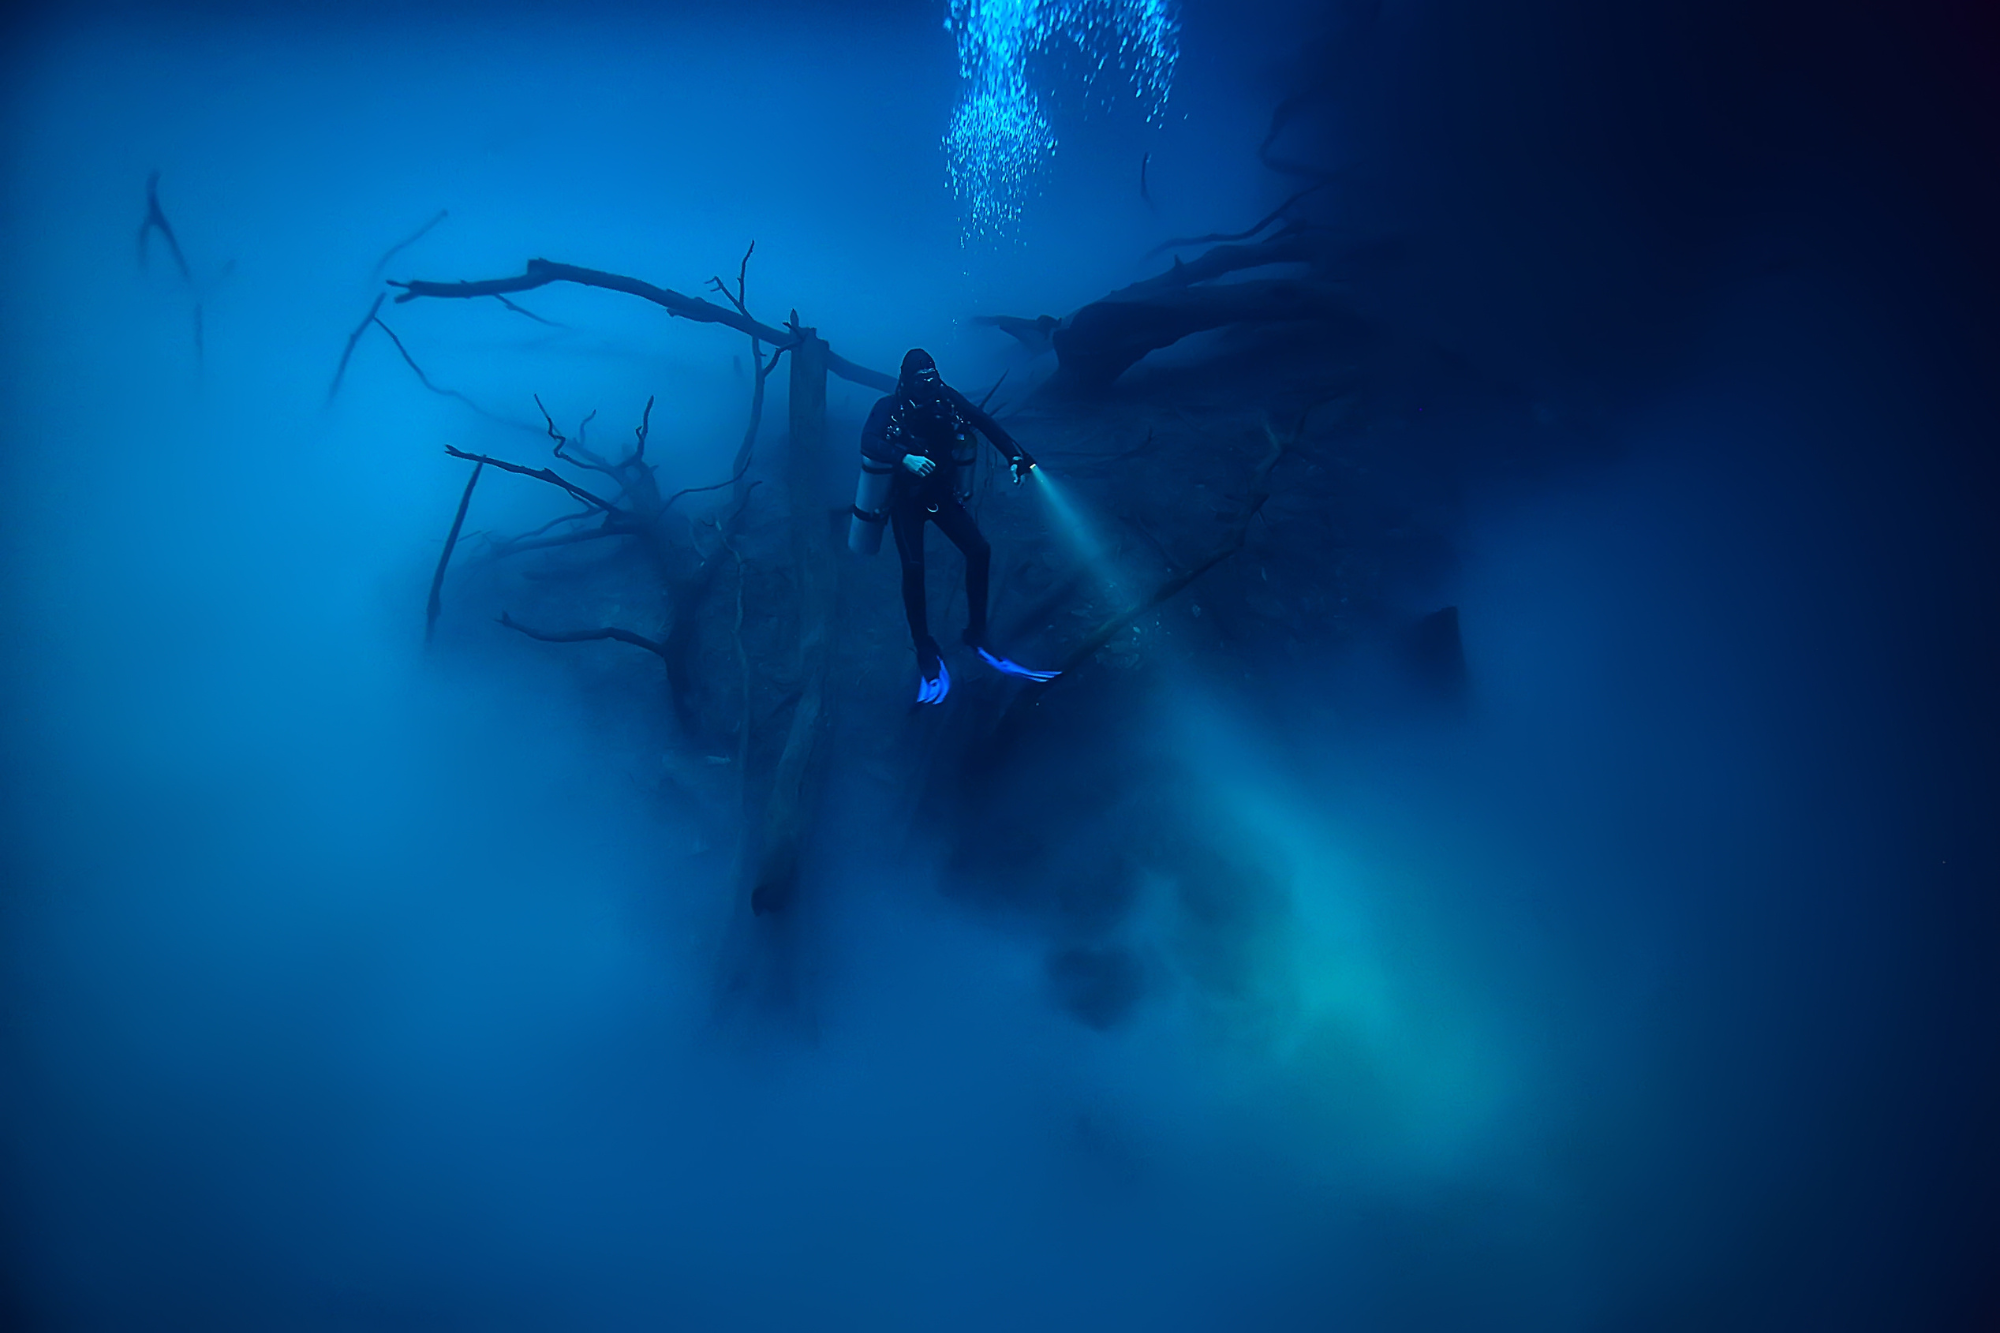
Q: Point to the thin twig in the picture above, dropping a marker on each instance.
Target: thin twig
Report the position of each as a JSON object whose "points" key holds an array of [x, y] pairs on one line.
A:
{"points": [[434, 388], [743, 465], [645, 426], [529, 313], [406, 243], [554, 434], [340, 370], [539, 474], [736, 298], [582, 458], [436, 605], [156, 220], [760, 370]]}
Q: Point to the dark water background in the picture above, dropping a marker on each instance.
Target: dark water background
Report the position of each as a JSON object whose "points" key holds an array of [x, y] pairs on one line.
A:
{"points": [[347, 987]]}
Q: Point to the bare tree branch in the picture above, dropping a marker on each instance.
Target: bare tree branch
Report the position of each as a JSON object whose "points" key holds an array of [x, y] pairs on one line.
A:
{"points": [[736, 298], [742, 466], [587, 635], [542, 272], [644, 428], [436, 605], [156, 220], [439, 389], [406, 243], [519, 310], [539, 474], [346, 352], [582, 458]]}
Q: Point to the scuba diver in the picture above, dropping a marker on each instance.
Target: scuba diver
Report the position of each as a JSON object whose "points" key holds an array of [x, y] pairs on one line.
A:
{"points": [[916, 468]]}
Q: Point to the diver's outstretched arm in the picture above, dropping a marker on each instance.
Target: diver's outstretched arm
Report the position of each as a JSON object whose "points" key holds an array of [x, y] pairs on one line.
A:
{"points": [[1020, 459]]}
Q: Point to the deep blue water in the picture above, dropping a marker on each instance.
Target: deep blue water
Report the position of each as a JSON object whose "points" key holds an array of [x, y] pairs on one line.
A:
{"points": [[353, 986]]}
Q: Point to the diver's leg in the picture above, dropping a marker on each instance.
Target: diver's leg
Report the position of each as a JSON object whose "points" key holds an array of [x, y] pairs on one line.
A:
{"points": [[958, 525], [906, 521], [955, 523]]}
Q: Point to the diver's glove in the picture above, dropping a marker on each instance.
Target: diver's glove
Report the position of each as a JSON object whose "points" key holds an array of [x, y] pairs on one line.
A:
{"points": [[1022, 464]]}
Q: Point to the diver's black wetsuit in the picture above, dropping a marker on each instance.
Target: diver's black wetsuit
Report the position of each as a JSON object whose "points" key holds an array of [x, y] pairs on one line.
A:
{"points": [[927, 417]]}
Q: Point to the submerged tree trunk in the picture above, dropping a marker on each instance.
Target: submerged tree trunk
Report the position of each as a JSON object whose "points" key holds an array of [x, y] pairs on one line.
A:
{"points": [[788, 813]]}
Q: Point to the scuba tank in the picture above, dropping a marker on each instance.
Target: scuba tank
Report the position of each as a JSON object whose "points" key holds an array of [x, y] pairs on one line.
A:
{"points": [[871, 507]]}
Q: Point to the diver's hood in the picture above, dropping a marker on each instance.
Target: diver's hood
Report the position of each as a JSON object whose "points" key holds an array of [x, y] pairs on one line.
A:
{"points": [[919, 381]]}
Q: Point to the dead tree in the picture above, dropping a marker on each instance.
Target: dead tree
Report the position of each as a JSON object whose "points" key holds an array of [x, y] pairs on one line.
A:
{"points": [[1098, 342], [636, 511], [628, 505]]}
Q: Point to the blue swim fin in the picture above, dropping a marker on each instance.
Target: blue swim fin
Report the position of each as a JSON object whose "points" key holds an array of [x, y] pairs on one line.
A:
{"points": [[1007, 668], [934, 691]]}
